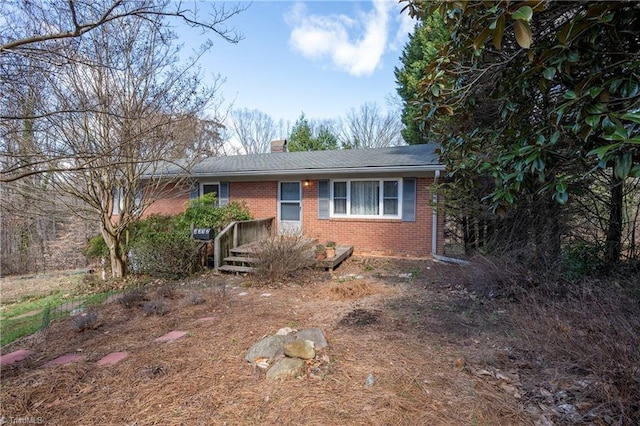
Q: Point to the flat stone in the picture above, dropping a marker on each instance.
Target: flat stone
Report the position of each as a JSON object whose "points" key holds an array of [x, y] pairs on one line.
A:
{"points": [[315, 335], [300, 349], [269, 348], [14, 356], [205, 319], [113, 358], [171, 336], [64, 359], [286, 368]]}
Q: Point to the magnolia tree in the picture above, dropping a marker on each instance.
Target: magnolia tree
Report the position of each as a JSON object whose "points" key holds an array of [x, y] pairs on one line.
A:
{"points": [[541, 98]]}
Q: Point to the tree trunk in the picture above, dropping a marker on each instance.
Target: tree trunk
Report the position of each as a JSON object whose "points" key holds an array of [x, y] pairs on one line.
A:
{"points": [[613, 243], [118, 261]]}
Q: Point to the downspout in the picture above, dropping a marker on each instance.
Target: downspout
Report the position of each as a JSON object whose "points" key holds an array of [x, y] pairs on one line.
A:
{"points": [[434, 230]]}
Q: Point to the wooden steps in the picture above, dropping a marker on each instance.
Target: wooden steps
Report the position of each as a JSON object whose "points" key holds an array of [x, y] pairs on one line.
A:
{"points": [[241, 260], [236, 269]]}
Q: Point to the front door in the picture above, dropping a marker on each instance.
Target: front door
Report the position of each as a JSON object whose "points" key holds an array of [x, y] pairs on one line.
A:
{"points": [[289, 208]]}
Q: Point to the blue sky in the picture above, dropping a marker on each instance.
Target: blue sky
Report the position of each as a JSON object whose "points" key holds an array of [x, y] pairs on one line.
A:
{"points": [[320, 57]]}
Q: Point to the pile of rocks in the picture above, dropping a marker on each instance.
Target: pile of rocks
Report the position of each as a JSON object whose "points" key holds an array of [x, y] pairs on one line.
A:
{"points": [[283, 355]]}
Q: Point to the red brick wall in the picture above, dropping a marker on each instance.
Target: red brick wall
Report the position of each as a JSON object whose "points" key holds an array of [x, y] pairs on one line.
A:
{"points": [[261, 197], [367, 236], [172, 202], [377, 236]]}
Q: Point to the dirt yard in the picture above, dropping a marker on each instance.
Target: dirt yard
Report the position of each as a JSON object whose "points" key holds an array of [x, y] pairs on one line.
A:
{"points": [[436, 355]]}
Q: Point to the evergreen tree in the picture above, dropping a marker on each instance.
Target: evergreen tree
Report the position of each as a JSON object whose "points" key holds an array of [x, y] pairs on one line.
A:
{"points": [[421, 49], [302, 137]]}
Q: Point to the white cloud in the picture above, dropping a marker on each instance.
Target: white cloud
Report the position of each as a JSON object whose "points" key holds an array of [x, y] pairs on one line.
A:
{"points": [[405, 27], [354, 44]]}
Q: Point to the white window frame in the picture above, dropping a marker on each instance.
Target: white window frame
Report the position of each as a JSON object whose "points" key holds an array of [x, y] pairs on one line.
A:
{"points": [[381, 197]]}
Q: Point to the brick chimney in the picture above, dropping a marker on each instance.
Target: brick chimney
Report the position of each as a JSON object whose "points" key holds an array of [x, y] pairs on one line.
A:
{"points": [[279, 146]]}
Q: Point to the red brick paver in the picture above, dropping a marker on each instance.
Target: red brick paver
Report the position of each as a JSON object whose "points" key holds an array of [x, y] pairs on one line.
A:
{"points": [[170, 336], [113, 358], [14, 356], [64, 359]]}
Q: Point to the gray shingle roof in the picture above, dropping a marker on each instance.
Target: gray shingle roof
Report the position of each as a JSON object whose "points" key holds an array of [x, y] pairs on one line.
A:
{"points": [[419, 158]]}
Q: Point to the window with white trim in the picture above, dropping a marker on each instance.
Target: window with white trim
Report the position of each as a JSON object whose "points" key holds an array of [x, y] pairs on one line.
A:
{"points": [[366, 198]]}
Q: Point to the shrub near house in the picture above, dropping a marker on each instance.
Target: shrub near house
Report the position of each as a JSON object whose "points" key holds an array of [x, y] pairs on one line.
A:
{"points": [[161, 245]]}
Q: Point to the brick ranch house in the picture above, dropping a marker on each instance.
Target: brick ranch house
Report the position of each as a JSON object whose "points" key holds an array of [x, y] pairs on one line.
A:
{"points": [[379, 200]]}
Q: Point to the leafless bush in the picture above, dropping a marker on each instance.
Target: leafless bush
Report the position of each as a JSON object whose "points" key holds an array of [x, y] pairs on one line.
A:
{"points": [[281, 255], [85, 321], [155, 307], [132, 298], [167, 291], [585, 330], [497, 277], [195, 299]]}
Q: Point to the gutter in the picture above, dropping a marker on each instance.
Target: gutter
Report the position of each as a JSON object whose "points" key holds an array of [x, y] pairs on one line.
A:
{"points": [[252, 174]]}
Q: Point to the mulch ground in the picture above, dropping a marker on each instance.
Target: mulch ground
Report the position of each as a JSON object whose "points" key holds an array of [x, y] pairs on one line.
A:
{"points": [[400, 321]]}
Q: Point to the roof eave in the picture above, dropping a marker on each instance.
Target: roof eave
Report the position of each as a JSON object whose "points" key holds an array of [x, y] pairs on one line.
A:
{"points": [[324, 172]]}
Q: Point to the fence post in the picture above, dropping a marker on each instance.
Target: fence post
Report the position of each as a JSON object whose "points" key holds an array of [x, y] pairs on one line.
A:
{"points": [[217, 253]]}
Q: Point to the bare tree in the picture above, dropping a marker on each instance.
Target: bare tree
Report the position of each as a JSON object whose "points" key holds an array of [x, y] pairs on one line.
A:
{"points": [[369, 127], [115, 103], [38, 39], [254, 130], [35, 28]]}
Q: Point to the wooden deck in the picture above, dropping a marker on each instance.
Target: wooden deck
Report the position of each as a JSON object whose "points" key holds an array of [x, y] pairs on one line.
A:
{"points": [[330, 263]]}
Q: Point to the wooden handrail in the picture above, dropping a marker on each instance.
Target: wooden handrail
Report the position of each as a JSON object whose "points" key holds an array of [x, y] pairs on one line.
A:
{"points": [[239, 233]]}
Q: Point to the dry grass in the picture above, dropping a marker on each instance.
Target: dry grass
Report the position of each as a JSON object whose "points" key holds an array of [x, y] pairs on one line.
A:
{"points": [[580, 340], [590, 339], [203, 378], [352, 289], [14, 288]]}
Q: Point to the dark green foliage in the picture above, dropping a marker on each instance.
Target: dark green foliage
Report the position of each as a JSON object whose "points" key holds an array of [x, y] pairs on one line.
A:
{"points": [[159, 248], [46, 317], [163, 246], [302, 137], [97, 248], [581, 260], [423, 46], [203, 213], [531, 103]]}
